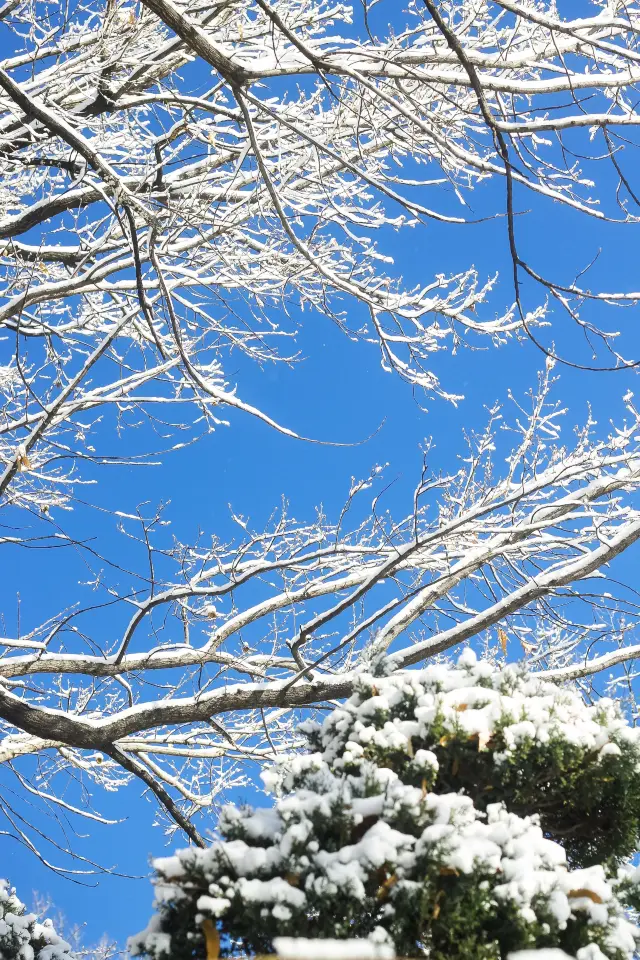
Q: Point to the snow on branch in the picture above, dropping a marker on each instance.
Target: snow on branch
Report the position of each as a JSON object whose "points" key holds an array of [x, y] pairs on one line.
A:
{"points": [[223, 646], [188, 223]]}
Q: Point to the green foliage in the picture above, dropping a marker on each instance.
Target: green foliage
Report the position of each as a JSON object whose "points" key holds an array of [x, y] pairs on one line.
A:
{"points": [[587, 802], [586, 794]]}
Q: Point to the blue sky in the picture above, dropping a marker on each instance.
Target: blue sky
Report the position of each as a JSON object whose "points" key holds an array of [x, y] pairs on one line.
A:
{"points": [[339, 392]]}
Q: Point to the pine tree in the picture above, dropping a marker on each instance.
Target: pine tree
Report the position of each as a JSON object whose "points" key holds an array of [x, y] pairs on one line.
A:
{"points": [[459, 812], [23, 936]]}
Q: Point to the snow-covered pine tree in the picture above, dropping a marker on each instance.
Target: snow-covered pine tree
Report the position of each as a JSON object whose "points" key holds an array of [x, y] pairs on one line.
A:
{"points": [[459, 812], [23, 936]]}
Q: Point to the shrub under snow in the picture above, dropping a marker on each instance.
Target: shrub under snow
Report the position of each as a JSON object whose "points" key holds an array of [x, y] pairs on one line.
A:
{"points": [[463, 813], [23, 936]]}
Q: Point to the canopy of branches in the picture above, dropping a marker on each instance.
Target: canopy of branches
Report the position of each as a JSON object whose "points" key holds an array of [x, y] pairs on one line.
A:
{"points": [[186, 190]]}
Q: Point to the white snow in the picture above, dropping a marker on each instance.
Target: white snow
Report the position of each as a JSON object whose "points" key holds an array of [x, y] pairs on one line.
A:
{"points": [[298, 948]]}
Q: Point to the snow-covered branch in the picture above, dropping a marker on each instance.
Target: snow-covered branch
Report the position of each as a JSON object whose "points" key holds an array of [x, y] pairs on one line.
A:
{"points": [[199, 215], [221, 648], [184, 188]]}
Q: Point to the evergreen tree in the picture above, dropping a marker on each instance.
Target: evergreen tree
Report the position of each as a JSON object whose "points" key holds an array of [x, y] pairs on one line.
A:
{"points": [[458, 812], [23, 936]]}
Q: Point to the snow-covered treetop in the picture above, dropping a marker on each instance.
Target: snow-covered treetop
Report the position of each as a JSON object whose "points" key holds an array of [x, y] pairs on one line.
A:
{"points": [[428, 821], [442, 725], [473, 700], [23, 936]]}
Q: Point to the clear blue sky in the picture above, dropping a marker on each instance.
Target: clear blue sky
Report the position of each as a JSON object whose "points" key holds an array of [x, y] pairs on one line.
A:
{"points": [[341, 393]]}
